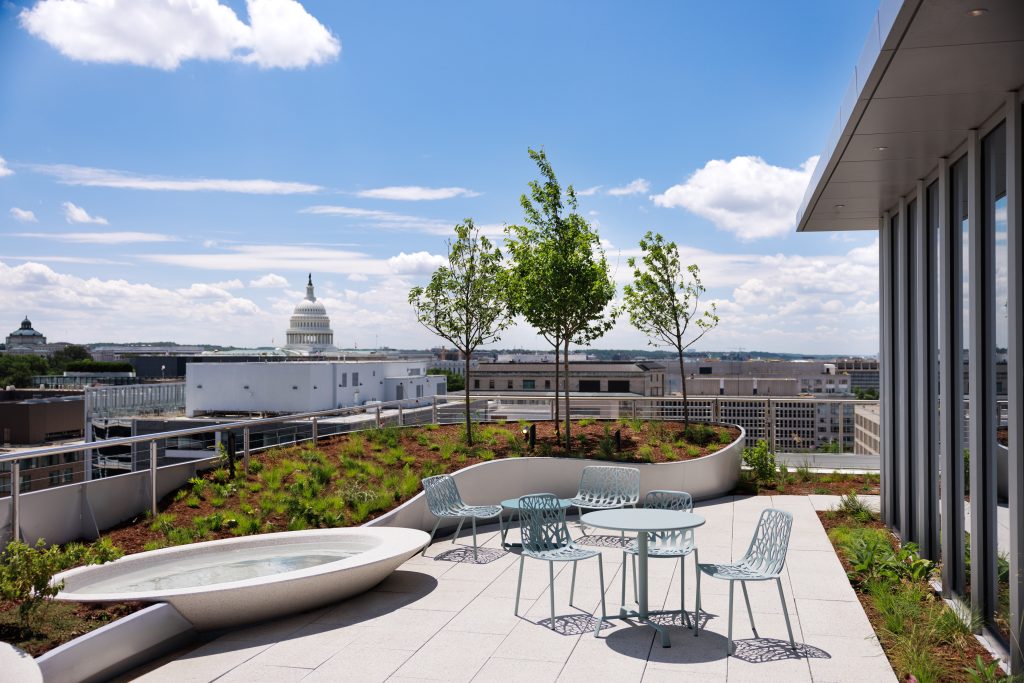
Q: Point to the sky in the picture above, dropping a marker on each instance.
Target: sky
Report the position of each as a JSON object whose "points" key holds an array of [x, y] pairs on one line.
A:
{"points": [[171, 170]]}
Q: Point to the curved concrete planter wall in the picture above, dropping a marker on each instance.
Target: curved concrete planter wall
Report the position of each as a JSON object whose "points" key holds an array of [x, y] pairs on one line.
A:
{"points": [[491, 482]]}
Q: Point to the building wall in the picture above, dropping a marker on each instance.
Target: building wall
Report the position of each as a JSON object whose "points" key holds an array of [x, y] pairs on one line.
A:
{"points": [[297, 387], [867, 435], [36, 421], [647, 379]]}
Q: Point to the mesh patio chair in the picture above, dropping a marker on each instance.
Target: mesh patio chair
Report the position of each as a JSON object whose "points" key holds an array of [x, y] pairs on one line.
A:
{"points": [[444, 501], [605, 487], [546, 537], [763, 561], [665, 544]]}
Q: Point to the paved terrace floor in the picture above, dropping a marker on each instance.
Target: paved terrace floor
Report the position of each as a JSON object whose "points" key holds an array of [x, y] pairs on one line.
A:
{"points": [[442, 617]]}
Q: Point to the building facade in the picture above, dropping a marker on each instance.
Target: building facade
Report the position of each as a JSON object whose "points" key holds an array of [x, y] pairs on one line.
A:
{"points": [[299, 387], [927, 151], [309, 329], [867, 434], [639, 379]]}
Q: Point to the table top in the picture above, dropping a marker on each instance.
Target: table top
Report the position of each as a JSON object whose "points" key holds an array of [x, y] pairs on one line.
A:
{"points": [[513, 503], [641, 519]]}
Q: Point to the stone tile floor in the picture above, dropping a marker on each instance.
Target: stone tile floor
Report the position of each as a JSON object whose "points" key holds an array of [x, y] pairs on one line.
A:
{"points": [[444, 617]]}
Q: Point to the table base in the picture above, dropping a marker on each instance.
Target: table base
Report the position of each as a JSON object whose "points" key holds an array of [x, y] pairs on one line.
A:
{"points": [[633, 615]]}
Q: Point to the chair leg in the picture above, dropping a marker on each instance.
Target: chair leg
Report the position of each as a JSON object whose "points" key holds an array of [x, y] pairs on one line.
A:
{"points": [[750, 613], [696, 612], [682, 592], [519, 586], [458, 529], [434, 531], [579, 516], [551, 591], [729, 648], [474, 539], [572, 584], [785, 612], [604, 612]]}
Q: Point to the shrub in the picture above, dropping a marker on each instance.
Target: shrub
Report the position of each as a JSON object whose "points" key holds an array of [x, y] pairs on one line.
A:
{"points": [[586, 422], [606, 446], [646, 453], [852, 506], [699, 434], [25, 574], [255, 466], [761, 461]]}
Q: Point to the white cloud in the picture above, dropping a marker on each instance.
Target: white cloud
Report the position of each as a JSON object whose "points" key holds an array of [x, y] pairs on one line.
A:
{"points": [[23, 215], [638, 186], [165, 33], [66, 259], [94, 309], [125, 237], [269, 281], [4, 170], [744, 195], [588, 191], [76, 214], [99, 177], [266, 257], [418, 263], [414, 193], [357, 277], [386, 220]]}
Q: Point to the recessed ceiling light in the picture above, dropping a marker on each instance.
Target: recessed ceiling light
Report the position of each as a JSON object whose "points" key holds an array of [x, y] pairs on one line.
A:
{"points": [[977, 12], [840, 206], [881, 149]]}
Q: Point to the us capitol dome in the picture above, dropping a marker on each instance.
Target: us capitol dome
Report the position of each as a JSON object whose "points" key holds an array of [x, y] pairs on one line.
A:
{"points": [[309, 329]]}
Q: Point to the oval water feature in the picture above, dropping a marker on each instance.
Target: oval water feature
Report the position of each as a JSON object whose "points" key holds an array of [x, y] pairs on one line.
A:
{"points": [[240, 580]]}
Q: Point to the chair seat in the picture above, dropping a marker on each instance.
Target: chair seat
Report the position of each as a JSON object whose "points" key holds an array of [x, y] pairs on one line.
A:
{"points": [[567, 553], [735, 572], [478, 511], [594, 505], [654, 550]]}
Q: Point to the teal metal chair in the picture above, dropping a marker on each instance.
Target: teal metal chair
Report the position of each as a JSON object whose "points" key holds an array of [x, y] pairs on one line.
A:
{"points": [[444, 502], [763, 561], [665, 544], [606, 487], [546, 537]]}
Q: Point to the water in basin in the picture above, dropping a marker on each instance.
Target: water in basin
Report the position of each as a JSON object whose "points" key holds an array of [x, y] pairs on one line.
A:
{"points": [[223, 566]]}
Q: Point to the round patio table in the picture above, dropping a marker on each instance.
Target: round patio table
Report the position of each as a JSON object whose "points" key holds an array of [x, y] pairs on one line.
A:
{"points": [[643, 521], [512, 505]]}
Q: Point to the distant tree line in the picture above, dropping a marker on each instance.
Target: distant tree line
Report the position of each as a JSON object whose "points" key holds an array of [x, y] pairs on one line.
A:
{"points": [[17, 369]]}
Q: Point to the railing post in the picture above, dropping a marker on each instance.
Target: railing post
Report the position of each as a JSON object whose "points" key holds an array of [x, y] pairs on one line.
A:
{"points": [[245, 449], [378, 416], [842, 423], [716, 415], [634, 408], [315, 431], [15, 502], [433, 409], [152, 479], [401, 416]]}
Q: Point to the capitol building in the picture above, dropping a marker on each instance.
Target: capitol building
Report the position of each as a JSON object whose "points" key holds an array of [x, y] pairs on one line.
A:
{"points": [[309, 329]]}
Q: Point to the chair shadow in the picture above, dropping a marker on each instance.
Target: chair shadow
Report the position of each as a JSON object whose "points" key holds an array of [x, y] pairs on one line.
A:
{"points": [[602, 541], [460, 554], [572, 624], [761, 650]]}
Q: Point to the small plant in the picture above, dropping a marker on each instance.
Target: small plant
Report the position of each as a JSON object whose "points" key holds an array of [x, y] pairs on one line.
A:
{"points": [[852, 506], [699, 434], [192, 501], [645, 453], [25, 574], [980, 672], [221, 475], [606, 446], [486, 454], [803, 472], [586, 422], [255, 466], [761, 461], [693, 451], [545, 449]]}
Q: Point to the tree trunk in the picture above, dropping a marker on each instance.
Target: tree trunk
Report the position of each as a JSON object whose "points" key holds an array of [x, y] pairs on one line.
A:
{"points": [[686, 401], [558, 427], [469, 422], [568, 413]]}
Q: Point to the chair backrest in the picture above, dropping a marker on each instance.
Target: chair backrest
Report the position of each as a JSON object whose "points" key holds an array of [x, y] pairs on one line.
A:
{"points": [[660, 499], [542, 522], [443, 497], [610, 485], [767, 551]]}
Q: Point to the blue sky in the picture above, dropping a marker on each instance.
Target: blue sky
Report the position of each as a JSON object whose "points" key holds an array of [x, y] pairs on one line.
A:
{"points": [[172, 171]]}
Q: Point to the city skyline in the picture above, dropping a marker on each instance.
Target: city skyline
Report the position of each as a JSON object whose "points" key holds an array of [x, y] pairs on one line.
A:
{"points": [[156, 188]]}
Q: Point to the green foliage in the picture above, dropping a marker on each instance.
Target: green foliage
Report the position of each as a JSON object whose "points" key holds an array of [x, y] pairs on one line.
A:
{"points": [[255, 466], [873, 558], [17, 370], [852, 506], [99, 366], [863, 394], [663, 301], [980, 672], [699, 434], [606, 445], [464, 302], [586, 422], [803, 472], [761, 461], [832, 446], [645, 453], [456, 382]]}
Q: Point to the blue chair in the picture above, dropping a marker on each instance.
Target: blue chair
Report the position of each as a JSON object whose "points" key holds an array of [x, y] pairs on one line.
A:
{"points": [[444, 501], [546, 537], [606, 487], [763, 561], [666, 544]]}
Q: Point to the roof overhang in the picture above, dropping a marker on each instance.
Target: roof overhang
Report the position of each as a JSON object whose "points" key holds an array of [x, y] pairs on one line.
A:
{"points": [[929, 72]]}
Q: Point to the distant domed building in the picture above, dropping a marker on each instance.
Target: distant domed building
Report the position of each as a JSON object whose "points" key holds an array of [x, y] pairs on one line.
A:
{"points": [[309, 329], [25, 339]]}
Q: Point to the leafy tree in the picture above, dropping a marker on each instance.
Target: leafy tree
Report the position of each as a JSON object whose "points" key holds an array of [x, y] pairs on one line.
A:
{"points": [[559, 279], [865, 394], [456, 382], [69, 354], [663, 301], [464, 302], [17, 370]]}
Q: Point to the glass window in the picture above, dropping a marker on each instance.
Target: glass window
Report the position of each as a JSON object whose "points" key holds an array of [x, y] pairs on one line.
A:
{"points": [[355, 379], [510, 384], [490, 384], [344, 380], [529, 384]]}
